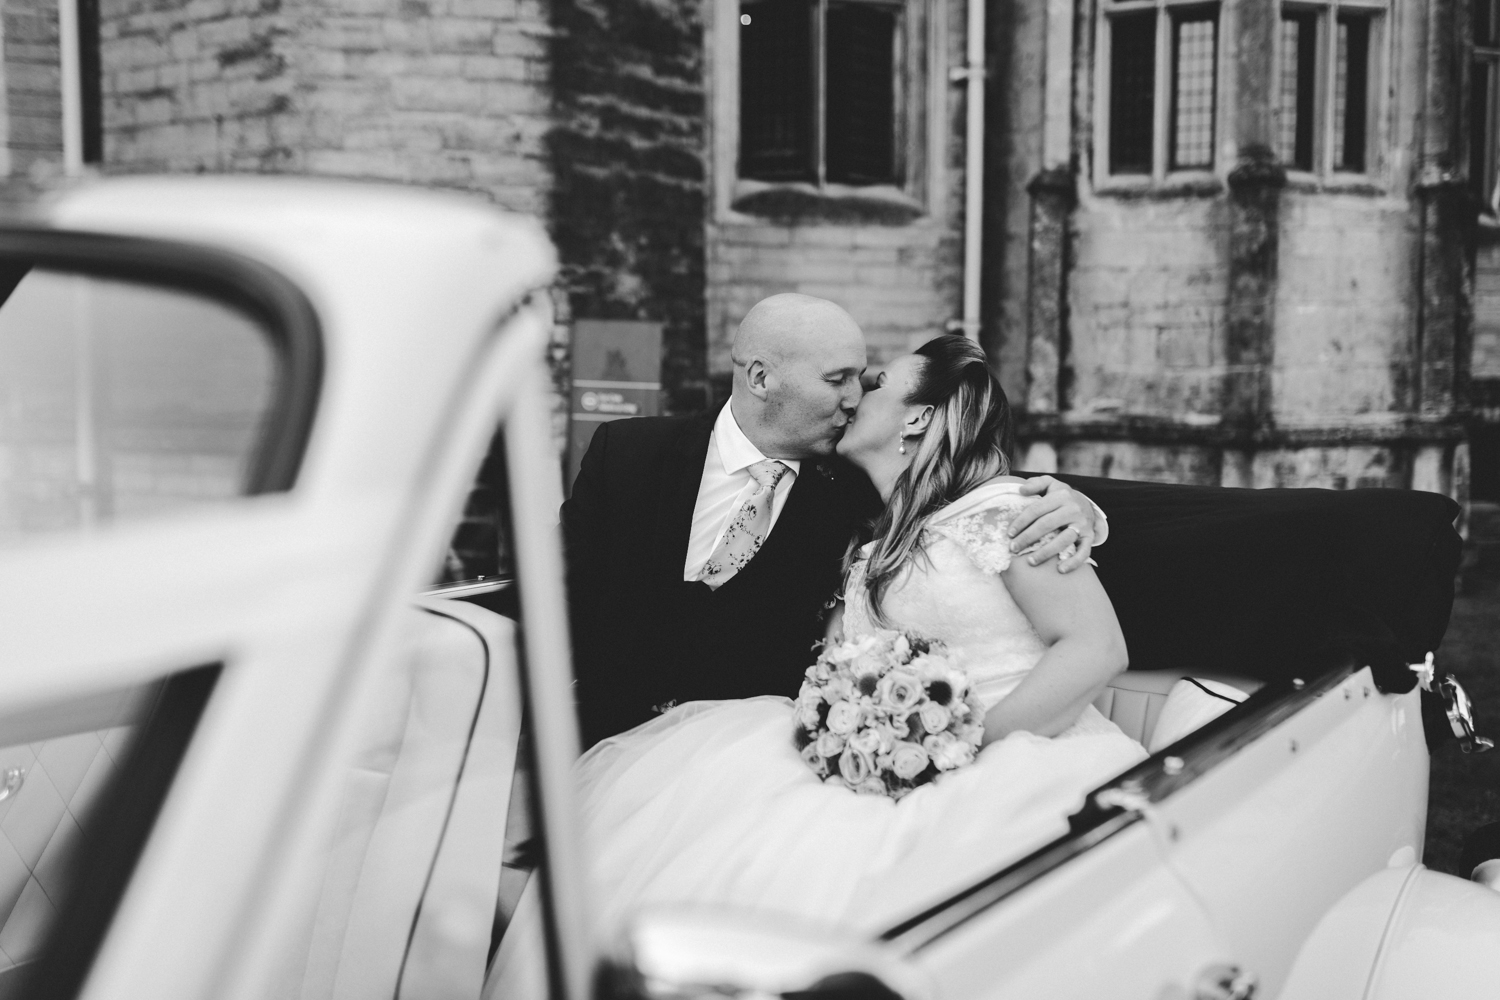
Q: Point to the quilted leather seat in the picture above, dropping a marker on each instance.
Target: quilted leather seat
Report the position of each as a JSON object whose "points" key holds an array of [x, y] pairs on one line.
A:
{"points": [[53, 780], [1134, 700]]}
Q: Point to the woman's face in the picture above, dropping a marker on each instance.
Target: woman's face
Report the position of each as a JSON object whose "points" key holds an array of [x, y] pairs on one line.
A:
{"points": [[876, 426]]}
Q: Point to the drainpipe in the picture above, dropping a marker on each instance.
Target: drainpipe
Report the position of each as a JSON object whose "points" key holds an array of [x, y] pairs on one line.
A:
{"points": [[973, 73], [71, 73]]}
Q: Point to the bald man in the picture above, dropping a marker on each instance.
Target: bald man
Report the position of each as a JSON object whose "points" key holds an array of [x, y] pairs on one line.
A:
{"points": [[703, 551]]}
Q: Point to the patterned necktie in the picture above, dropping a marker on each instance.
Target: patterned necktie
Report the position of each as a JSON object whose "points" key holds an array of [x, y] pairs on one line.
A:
{"points": [[745, 534]]}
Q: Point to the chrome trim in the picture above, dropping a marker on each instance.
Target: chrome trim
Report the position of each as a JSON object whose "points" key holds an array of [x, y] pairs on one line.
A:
{"points": [[1154, 779], [14, 777], [470, 588], [1461, 716]]}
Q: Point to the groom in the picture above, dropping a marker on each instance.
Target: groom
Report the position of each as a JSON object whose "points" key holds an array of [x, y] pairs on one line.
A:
{"points": [[703, 551]]}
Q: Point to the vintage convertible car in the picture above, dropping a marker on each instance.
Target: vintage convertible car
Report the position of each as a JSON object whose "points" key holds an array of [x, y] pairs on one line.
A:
{"points": [[250, 751]]}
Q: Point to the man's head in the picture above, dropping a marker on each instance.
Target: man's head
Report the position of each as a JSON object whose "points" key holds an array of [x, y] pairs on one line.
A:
{"points": [[797, 363]]}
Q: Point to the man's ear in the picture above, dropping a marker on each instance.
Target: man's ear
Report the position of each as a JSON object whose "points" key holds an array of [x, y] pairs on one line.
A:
{"points": [[917, 420], [757, 376]]}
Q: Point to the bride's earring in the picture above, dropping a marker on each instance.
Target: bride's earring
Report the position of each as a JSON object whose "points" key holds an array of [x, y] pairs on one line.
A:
{"points": [[902, 439]]}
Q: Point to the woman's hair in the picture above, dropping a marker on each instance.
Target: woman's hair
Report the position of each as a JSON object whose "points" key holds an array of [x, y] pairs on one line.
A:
{"points": [[969, 440]]}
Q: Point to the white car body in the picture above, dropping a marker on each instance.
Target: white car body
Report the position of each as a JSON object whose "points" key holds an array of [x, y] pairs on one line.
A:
{"points": [[1269, 846]]}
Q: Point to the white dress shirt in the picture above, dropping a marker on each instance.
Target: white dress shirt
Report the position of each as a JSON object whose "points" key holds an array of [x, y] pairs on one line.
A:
{"points": [[724, 487]]}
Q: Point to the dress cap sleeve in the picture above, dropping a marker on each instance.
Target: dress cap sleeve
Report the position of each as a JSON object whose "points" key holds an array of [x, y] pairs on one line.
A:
{"points": [[983, 532]]}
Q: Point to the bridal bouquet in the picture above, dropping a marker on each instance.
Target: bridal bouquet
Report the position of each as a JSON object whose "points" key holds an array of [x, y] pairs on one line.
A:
{"points": [[886, 713]]}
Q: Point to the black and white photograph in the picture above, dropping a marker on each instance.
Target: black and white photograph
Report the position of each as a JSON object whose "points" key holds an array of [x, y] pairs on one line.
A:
{"points": [[749, 499]]}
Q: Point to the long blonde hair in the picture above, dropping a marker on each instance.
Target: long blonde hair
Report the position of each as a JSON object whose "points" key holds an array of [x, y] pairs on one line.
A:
{"points": [[968, 441]]}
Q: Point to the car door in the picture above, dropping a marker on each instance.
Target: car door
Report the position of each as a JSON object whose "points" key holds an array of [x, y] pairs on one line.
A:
{"points": [[1301, 813], [150, 431], [1100, 913], [172, 561]]}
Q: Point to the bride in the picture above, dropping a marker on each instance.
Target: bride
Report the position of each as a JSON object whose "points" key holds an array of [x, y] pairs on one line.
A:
{"points": [[711, 801]]}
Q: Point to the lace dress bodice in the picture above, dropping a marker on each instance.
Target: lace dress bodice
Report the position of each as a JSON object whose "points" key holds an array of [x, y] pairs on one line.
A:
{"points": [[955, 595]]}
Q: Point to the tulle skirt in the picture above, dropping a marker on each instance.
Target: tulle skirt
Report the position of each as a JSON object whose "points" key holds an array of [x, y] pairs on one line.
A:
{"points": [[711, 803]]}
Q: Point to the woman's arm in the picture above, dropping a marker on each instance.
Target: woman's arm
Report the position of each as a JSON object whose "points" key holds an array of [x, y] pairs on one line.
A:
{"points": [[1085, 649]]}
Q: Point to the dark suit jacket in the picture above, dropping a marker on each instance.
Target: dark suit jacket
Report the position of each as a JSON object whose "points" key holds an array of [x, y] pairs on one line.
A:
{"points": [[641, 636]]}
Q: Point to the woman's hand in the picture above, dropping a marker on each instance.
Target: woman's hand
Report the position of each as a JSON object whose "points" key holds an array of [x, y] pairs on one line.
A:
{"points": [[833, 632], [1064, 510], [1085, 649]]}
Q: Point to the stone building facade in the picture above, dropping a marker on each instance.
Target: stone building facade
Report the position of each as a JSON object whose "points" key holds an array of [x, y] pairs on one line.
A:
{"points": [[1222, 242]]}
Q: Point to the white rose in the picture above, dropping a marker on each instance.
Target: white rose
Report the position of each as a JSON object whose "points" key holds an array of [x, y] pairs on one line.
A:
{"points": [[954, 753], [866, 741], [843, 717], [908, 760], [935, 717], [900, 689], [829, 745], [816, 762], [928, 667], [868, 664], [855, 767]]}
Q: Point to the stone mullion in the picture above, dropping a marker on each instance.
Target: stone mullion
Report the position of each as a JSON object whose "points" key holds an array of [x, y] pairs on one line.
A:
{"points": [[1052, 197], [1054, 194], [1446, 216], [1255, 186]]}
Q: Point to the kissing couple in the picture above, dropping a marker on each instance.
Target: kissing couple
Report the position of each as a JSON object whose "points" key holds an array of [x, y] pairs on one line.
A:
{"points": [[707, 556]]}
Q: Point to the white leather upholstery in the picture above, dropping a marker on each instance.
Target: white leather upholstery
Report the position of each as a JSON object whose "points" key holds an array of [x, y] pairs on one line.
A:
{"points": [[1134, 700], [424, 805]]}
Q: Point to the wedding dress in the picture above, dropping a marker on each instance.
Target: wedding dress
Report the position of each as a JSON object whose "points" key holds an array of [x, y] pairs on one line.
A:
{"points": [[711, 803]]}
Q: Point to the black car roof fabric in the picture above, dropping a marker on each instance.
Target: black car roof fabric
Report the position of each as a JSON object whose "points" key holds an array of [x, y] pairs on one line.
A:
{"points": [[1268, 583]]}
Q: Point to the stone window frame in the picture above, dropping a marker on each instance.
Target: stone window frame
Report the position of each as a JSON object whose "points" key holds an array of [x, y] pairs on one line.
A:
{"points": [[1377, 166], [1323, 171], [1160, 174], [925, 113], [1484, 149]]}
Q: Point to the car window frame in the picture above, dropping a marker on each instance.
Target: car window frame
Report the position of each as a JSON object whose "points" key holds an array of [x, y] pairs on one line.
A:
{"points": [[277, 306]]}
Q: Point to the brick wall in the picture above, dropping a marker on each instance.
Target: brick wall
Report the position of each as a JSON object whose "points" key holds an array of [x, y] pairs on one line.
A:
{"points": [[627, 153], [1338, 468], [1147, 298], [449, 93], [899, 282], [1344, 309], [32, 98], [1145, 462]]}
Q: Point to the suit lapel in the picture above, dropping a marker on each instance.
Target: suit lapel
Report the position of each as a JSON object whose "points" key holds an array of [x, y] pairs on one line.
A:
{"points": [[681, 475]]}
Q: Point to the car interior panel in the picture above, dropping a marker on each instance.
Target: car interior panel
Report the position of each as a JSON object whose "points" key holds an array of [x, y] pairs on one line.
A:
{"points": [[1134, 700], [413, 869]]}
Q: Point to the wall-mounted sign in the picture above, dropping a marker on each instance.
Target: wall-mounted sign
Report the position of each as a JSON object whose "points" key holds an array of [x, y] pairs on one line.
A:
{"points": [[616, 373]]}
